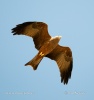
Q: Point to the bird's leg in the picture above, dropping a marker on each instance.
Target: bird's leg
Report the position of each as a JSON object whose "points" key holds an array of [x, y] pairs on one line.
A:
{"points": [[41, 54]]}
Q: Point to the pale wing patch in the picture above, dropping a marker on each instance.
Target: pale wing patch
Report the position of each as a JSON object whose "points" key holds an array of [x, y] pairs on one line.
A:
{"points": [[62, 63], [30, 31]]}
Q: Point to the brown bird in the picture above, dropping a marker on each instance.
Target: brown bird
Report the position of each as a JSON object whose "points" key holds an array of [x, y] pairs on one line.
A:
{"points": [[47, 46]]}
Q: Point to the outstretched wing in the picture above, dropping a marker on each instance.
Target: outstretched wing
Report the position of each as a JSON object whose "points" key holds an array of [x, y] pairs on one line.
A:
{"points": [[63, 57], [37, 30]]}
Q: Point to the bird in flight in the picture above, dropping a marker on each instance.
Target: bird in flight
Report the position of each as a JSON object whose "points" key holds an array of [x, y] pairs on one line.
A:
{"points": [[47, 46]]}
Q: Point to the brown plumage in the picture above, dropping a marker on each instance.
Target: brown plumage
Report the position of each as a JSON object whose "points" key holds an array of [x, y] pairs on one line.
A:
{"points": [[47, 46]]}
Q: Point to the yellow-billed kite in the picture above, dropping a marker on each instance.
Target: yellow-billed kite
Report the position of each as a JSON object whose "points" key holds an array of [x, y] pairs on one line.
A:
{"points": [[47, 46]]}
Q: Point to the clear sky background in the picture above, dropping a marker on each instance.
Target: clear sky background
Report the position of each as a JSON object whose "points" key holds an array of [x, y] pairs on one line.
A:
{"points": [[74, 21]]}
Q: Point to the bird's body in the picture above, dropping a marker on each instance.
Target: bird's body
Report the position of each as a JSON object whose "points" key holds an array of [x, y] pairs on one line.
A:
{"points": [[45, 49], [47, 46]]}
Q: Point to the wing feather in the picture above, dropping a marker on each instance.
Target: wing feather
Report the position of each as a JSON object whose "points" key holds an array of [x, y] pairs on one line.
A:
{"points": [[63, 57], [37, 30]]}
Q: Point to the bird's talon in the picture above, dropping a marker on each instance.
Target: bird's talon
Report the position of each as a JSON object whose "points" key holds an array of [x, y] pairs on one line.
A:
{"points": [[41, 54]]}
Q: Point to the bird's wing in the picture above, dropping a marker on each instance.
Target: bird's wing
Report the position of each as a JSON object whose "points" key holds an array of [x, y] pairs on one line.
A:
{"points": [[63, 57], [37, 30]]}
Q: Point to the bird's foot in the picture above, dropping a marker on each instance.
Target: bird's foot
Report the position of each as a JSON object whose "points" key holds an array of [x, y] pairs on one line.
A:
{"points": [[41, 54]]}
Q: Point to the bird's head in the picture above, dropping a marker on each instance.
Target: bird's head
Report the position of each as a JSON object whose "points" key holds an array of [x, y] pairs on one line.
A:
{"points": [[55, 39], [58, 37]]}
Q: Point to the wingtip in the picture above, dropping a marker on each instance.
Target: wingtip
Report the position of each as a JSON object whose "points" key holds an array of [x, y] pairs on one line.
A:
{"points": [[13, 31], [14, 34], [64, 81]]}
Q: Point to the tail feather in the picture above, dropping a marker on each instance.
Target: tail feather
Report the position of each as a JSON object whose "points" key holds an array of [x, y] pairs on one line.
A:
{"points": [[34, 62]]}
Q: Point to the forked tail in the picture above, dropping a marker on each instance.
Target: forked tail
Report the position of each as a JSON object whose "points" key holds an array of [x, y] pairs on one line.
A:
{"points": [[34, 62]]}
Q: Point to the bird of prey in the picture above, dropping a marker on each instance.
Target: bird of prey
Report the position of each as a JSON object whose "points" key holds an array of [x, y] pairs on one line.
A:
{"points": [[47, 46]]}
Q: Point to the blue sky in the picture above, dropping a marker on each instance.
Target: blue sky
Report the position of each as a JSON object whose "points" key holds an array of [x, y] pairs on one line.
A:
{"points": [[74, 21]]}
